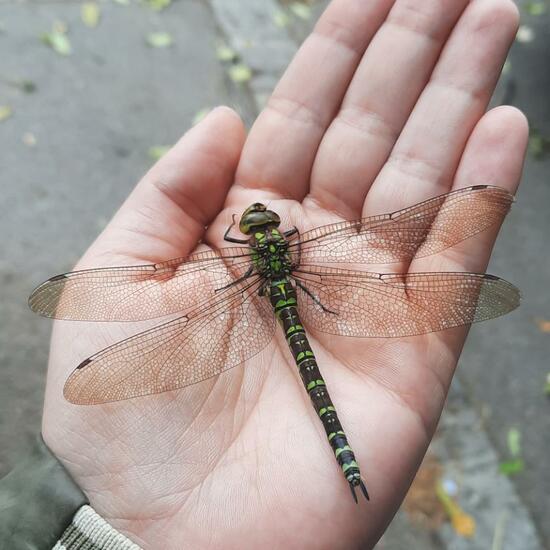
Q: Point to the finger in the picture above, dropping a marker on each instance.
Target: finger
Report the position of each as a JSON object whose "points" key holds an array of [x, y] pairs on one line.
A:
{"points": [[426, 155], [167, 212], [279, 153], [494, 155], [384, 89]]}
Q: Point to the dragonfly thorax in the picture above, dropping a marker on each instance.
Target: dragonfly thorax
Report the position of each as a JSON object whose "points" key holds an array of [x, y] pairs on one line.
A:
{"points": [[271, 256]]}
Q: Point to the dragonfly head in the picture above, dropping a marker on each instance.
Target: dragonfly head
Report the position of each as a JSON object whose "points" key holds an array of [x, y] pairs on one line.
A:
{"points": [[256, 217]]}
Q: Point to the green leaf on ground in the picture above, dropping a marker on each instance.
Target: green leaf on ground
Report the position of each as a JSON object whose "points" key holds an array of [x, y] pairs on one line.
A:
{"points": [[5, 112], [300, 10], [90, 14], [159, 39], [57, 39], [281, 19], [547, 385], [514, 442], [157, 151], [511, 467], [535, 8], [200, 115], [158, 5], [539, 145], [240, 73], [225, 53]]}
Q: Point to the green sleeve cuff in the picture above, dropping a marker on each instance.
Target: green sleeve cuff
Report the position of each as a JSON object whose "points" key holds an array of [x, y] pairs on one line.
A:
{"points": [[38, 500]]}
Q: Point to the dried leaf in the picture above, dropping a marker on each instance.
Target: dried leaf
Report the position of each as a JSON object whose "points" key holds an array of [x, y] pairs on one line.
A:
{"points": [[511, 467], [300, 10], [90, 14], [157, 151], [225, 53], [200, 115], [240, 73], [525, 34], [159, 39], [281, 19], [5, 112], [421, 503], [544, 325], [463, 524], [514, 442]]}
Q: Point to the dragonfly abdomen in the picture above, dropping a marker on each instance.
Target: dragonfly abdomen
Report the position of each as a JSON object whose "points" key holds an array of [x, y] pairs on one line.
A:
{"points": [[284, 300]]}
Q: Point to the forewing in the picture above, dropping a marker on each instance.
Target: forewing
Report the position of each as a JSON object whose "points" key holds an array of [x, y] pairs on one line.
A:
{"points": [[135, 293], [179, 353], [391, 305], [420, 230]]}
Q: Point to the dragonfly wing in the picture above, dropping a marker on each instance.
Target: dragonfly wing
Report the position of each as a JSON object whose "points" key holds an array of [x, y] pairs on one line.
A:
{"points": [[181, 352], [134, 293], [393, 305], [420, 230]]}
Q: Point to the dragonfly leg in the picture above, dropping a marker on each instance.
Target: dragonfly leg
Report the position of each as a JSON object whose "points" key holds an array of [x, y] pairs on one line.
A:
{"points": [[291, 232], [232, 239], [248, 273], [314, 298]]}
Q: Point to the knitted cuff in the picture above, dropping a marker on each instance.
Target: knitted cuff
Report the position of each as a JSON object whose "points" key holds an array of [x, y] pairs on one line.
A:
{"points": [[90, 531]]}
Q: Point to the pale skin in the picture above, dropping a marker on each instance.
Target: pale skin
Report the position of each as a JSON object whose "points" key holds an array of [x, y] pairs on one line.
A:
{"points": [[383, 106]]}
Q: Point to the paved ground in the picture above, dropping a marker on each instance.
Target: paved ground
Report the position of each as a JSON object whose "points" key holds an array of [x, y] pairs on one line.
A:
{"points": [[94, 116]]}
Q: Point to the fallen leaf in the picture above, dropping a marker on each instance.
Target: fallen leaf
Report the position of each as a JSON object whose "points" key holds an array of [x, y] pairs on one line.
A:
{"points": [[160, 39], [547, 385], [544, 325], [5, 112], [525, 34], [200, 115], [157, 151], [463, 524], [514, 442], [535, 8], [158, 5], [29, 139], [300, 10], [57, 39], [90, 14], [240, 73], [511, 467], [225, 53], [538, 145], [421, 503], [281, 19]]}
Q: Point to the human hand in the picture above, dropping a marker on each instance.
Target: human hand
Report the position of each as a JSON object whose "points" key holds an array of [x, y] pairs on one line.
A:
{"points": [[370, 117]]}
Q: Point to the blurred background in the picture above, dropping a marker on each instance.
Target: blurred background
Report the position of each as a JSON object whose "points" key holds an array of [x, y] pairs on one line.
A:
{"points": [[91, 94]]}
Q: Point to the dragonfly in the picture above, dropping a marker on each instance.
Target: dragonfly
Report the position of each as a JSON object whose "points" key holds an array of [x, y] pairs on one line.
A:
{"points": [[226, 302]]}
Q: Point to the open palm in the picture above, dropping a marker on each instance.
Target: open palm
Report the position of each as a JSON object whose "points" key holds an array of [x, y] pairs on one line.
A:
{"points": [[382, 107]]}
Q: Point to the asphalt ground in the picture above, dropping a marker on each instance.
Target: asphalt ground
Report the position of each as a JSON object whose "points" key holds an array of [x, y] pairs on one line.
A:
{"points": [[94, 116]]}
